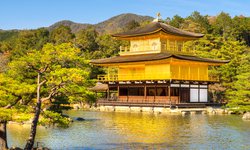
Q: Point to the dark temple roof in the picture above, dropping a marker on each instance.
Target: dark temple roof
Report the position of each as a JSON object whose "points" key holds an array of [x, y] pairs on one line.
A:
{"points": [[152, 57], [99, 88], [156, 27]]}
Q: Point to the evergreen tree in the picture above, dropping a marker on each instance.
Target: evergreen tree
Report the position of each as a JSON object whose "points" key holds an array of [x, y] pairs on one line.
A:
{"points": [[86, 39], [29, 39], [239, 94], [44, 75], [202, 23], [223, 25], [61, 34], [176, 21]]}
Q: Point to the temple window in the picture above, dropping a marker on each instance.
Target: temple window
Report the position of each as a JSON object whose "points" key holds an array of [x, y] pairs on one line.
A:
{"points": [[164, 45], [179, 46], [174, 91], [161, 91], [154, 46], [136, 91], [171, 45], [123, 91], [150, 91], [135, 47]]}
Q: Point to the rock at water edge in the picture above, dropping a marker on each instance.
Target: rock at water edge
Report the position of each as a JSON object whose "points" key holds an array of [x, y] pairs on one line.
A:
{"points": [[246, 116]]}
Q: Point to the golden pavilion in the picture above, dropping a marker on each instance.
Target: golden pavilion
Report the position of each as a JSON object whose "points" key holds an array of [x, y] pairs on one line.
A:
{"points": [[157, 69]]}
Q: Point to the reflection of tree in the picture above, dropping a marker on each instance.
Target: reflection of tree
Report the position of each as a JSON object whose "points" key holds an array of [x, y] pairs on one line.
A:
{"points": [[19, 132]]}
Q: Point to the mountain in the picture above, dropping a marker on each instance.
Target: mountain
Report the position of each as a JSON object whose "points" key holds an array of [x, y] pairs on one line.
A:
{"points": [[73, 26], [117, 23], [111, 25]]}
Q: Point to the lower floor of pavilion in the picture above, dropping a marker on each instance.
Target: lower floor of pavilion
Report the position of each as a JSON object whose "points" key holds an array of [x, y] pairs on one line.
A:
{"points": [[155, 93]]}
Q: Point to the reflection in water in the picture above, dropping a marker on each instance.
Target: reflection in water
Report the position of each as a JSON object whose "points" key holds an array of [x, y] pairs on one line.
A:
{"points": [[113, 130], [20, 133]]}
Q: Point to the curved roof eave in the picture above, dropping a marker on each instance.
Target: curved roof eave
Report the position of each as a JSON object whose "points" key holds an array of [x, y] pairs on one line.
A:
{"points": [[152, 57], [156, 27]]}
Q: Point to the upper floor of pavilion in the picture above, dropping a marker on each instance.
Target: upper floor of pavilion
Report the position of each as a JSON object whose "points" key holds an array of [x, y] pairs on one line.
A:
{"points": [[157, 37]]}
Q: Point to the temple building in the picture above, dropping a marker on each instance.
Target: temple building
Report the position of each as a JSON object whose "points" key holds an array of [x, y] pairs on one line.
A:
{"points": [[157, 69]]}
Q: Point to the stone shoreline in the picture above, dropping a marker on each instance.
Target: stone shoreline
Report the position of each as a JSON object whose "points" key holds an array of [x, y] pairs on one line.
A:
{"points": [[156, 110]]}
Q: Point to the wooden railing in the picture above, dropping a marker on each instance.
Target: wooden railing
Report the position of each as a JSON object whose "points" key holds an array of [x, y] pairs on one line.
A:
{"points": [[140, 100], [140, 77]]}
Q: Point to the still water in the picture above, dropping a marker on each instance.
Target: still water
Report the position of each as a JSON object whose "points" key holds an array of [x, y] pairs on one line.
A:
{"points": [[113, 130]]}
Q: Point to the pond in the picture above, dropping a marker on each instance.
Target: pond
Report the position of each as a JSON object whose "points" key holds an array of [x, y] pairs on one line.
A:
{"points": [[113, 130]]}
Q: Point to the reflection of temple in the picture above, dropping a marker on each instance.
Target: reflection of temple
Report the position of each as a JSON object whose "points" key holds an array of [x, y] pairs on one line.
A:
{"points": [[156, 69]]}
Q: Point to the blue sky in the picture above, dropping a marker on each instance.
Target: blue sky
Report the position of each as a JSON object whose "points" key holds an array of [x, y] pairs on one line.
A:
{"points": [[30, 14]]}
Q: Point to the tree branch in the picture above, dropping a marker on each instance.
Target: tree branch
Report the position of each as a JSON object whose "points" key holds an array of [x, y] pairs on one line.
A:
{"points": [[11, 105], [41, 83], [53, 91], [51, 94], [44, 69], [48, 97], [32, 67]]}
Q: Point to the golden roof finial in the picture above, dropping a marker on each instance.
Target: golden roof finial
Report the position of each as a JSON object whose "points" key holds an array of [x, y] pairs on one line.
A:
{"points": [[158, 17]]}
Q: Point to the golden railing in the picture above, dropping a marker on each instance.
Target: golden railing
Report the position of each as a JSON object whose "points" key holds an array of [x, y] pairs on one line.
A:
{"points": [[141, 77]]}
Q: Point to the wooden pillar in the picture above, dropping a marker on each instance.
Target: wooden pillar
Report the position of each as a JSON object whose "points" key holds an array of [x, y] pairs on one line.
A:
{"points": [[166, 91], [108, 74], [108, 94], [127, 93], [118, 92], [179, 97], [169, 93], [155, 92], [145, 92]]}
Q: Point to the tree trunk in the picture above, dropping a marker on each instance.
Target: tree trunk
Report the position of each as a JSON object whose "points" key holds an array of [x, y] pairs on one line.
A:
{"points": [[3, 135], [31, 140]]}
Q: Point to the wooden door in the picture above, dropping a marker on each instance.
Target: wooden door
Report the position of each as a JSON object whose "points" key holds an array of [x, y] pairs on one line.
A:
{"points": [[184, 95]]}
